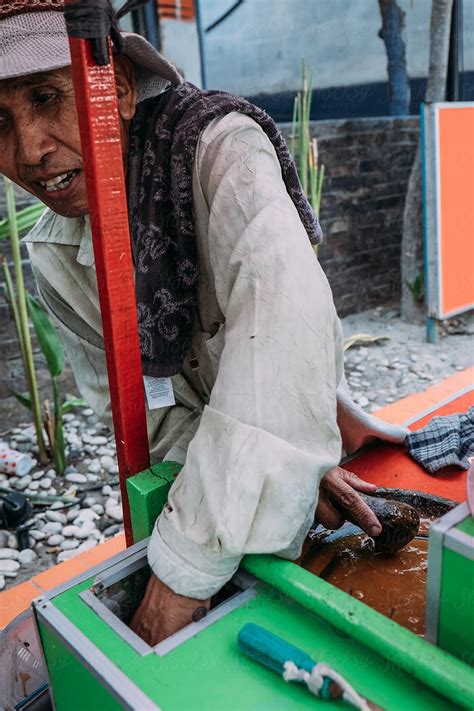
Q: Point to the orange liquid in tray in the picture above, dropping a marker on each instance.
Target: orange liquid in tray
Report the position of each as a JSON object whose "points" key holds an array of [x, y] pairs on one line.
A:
{"points": [[393, 585]]}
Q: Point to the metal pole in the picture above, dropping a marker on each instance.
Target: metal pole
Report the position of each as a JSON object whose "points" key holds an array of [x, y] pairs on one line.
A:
{"points": [[96, 103], [452, 87], [202, 53]]}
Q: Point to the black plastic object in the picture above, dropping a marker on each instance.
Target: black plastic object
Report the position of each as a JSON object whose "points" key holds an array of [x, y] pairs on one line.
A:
{"points": [[96, 21], [14, 510]]}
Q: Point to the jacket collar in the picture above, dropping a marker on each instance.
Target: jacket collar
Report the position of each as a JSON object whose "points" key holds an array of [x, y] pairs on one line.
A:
{"points": [[69, 231]]}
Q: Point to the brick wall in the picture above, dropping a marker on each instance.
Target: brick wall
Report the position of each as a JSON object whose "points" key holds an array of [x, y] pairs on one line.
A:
{"points": [[367, 165]]}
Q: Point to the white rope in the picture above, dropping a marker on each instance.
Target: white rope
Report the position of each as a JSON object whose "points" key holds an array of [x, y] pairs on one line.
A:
{"points": [[314, 680]]}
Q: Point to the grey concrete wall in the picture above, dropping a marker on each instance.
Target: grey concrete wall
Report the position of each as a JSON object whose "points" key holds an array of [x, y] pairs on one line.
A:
{"points": [[259, 49]]}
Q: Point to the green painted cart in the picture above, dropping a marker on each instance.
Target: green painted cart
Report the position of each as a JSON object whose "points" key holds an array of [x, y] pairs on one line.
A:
{"points": [[95, 661]]}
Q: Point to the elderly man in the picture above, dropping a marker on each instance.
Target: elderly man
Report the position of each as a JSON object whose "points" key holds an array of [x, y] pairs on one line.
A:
{"points": [[232, 305]]}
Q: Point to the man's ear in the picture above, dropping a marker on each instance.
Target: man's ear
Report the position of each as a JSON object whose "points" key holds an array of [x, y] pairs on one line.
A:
{"points": [[126, 89]]}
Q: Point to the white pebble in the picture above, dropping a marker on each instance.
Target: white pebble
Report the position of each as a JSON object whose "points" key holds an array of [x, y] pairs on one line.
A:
{"points": [[52, 527], [36, 535], [34, 486], [115, 513], [45, 483], [87, 545], [89, 501], [107, 490], [12, 541], [56, 517], [69, 544], [107, 461], [2, 582], [86, 515], [73, 514], [70, 531], [87, 412], [76, 478], [57, 505], [27, 556], [98, 509], [8, 554], [37, 475], [51, 474], [8, 566], [87, 528], [55, 539], [65, 555], [23, 483], [94, 467]]}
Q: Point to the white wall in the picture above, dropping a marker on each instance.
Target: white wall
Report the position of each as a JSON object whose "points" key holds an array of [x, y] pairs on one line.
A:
{"points": [[180, 44], [260, 47]]}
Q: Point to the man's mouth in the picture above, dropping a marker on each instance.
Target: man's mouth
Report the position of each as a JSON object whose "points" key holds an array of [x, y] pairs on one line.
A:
{"points": [[59, 182]]}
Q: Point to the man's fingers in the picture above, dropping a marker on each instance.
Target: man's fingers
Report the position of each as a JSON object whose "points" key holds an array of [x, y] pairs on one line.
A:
{"points": [[356, 483], [344, 494], [326, 514]]}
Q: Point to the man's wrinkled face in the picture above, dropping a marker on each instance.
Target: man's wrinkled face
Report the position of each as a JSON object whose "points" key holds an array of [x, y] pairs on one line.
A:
{"points": [[40, 146]]}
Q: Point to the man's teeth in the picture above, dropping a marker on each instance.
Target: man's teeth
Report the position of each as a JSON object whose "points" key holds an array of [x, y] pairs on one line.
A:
{"points": [[60, 182]]}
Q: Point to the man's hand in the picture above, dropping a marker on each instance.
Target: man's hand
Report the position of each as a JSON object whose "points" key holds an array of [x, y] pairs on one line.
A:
{"points": [[341, 486], [162, 612]]}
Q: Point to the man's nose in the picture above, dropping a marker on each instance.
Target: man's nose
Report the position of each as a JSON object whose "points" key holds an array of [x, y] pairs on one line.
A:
{"points": [[34, 142]]}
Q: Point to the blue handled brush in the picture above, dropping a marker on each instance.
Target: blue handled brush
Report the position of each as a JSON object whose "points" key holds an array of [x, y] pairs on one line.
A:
{"points": [[293, 664]]}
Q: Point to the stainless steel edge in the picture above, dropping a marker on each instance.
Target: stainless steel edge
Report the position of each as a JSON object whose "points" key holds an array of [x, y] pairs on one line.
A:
{"points": [[94, 571], [460, 542], [433, 582], [435, 407], [452, 518], [102, 611], [217, 613], [120, 569], [129, 695]]}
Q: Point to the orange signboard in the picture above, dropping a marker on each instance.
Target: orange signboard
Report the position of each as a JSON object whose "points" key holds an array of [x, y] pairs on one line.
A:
{"points": [[449, 207]]}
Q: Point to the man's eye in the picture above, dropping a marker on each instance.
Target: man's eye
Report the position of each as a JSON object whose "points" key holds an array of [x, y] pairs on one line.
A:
{"points": [[3, 122], [42, 98]]}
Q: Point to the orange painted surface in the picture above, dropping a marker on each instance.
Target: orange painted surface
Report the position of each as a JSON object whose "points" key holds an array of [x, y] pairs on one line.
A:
{"points": [[15, 600], [18, 598], [390, 465], [456, 161], [58, 574], [409, 407], [176, 9]]}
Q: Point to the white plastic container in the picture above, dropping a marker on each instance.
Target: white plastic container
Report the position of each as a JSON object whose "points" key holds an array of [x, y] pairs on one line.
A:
{"points": [[15, 463]]}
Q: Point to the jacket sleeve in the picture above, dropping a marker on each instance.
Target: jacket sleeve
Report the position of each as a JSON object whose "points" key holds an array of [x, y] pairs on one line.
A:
{"points": [[251, 477]]}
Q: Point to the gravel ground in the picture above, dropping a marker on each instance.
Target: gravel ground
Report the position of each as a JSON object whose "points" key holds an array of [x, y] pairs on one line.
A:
{"points": [[377, 374]]}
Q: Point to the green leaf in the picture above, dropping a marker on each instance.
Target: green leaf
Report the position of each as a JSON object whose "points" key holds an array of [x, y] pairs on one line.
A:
{"points": [[27, 218], [24, 398], [71, 402], [47, 337]]}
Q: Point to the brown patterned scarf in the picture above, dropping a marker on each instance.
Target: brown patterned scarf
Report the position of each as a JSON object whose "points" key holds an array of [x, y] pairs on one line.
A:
{"points": [[163, 139]]}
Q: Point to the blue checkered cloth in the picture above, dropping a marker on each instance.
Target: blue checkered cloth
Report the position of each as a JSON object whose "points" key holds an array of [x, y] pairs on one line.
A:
{"points": [[445, 441]]}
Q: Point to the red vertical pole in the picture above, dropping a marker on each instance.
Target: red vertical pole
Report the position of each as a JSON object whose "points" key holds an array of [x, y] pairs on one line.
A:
{"points": [[99, 126]]}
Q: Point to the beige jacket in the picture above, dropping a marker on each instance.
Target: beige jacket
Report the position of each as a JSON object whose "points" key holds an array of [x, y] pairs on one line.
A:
{"points": [[256, 422]]}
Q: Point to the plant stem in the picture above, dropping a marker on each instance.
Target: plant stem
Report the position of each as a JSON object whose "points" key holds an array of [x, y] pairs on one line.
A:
{"points": [[23, 320], [13, 305], [59, 453]]}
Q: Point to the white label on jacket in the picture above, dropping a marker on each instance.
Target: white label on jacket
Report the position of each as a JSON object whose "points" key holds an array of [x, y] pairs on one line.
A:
{"points": [[159, 392]]}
